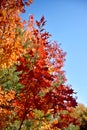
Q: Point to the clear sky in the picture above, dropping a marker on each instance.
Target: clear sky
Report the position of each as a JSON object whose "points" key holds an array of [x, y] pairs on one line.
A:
{"points": [[67, 22]]}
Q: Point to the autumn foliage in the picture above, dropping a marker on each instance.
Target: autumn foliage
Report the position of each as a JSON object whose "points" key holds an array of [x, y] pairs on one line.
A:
{"points": [[33, 84], [10, 39]]}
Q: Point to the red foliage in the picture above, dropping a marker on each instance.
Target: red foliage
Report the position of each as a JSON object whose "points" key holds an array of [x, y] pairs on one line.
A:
{"points": [[43, 80]]}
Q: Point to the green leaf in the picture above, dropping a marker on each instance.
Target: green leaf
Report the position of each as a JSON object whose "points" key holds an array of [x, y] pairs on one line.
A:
{"points": [[9, 79]]}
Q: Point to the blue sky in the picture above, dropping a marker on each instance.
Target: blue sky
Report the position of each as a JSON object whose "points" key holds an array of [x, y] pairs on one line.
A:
{"points": [[67, 22]]}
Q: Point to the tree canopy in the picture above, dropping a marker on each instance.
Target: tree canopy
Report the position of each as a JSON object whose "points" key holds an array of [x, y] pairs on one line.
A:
{"points": [[33, 92]]}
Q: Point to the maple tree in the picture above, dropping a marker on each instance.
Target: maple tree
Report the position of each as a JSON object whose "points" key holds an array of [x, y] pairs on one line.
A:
{"points": [[31, 76], [43, 79]]}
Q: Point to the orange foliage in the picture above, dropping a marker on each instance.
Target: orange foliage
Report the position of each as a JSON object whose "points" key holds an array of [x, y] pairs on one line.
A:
{"points": [[6, 106], [10, 40]]}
